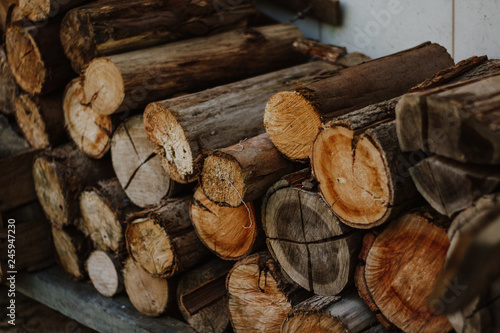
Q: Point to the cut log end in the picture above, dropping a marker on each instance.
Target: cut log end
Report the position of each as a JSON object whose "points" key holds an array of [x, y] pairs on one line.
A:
{"points": [[103, 85], [69, 253], [35, 10], [104, 273], [292, 112], [312, 322], [31, 121]]}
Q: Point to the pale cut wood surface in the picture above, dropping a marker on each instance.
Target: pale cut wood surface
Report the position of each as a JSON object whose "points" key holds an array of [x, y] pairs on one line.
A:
{"points": [[104, 271]]}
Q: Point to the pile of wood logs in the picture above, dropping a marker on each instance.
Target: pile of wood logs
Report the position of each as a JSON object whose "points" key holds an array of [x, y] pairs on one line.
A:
{"points": [[201, 158]]}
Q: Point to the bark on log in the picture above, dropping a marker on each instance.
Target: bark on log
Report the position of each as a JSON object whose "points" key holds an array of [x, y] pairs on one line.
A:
{"points": [[175, 124], [109, 27], [72, 248], [231, 233], [8, 85], [149, 295], [243, 172], [11, 143], [330, 314], [60, 175], [300, 229], [202, 297], [36, 57], [41, 10], [292, 118], [126, 81], [138, 166], [162, 239], [362, 173], [259, 295], [105, 273], [330, 53], [400, 267], [41, 119], [328, 11]]}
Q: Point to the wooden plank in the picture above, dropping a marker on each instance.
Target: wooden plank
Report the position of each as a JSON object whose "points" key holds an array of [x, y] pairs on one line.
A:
{"points": [[82, 303]]}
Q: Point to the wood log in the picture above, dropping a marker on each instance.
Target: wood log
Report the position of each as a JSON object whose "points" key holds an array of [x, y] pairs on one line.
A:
{"points": [[244, 171], [202, 297], [9, 12], [300, 229], [73, 249], [450, 186], [162, 240], [292, 118], [400, 267], [109, 27], [105, 273], [330, 314], [8, 85], [60, 175], [42, 10], [230, 233], [11, 143], [330, 53], [328, 11], [129, 80], [138, 166], [36, 57], [175, 124], [149, 295], [259, 295], [104, 208], [41, 119]]}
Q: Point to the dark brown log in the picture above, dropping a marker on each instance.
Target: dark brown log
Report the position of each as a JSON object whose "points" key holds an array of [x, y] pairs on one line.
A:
{"points": [[293, 117], [73, 249], [202, 297], [36, 57], [175, 124], [42, 10], [129, 80], [231, 233], [104, 271], [328, 11], [162, 240], [400, 267], [138, 166], [243, 172], [110, 27], [259, 295], [11, 143], [60, 175], [8, 85], [300, 229]]}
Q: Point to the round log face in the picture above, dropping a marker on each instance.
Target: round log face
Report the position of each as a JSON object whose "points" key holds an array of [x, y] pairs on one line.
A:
{"points": [[67, 253], [312, 322], [31, 122], [103, 273]]}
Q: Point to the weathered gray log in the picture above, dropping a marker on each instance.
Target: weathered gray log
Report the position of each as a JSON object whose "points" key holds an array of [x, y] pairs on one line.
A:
{"points": [[11, 143], [8, 85]]}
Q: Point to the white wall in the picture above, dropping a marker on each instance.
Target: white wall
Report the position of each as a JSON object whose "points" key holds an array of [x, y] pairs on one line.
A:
{"points": [[381, 27]]}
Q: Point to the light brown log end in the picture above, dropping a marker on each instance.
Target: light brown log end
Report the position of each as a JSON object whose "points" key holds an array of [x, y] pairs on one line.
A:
{"points": [[104, 272], [31, 122], [71, 248], [312, 322], [35, 10]]}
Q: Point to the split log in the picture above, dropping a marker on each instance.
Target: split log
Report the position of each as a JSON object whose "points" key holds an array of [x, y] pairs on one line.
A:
{"points": [[202, 297], [149, 295], [330, 314], [328, 11], [175, 124], [137, 165], [126, 81], [11, 143], [36, 57], [108, 27], [259, 295], [330, 53], [244, 171], [42, 10], [450, 186], [400, 267], [105, 273], [104, 208], [300, 229], [41, 119], [162, 240], [231, 233], [72, 248], [8, 85], [292, 118], [60, 175]]}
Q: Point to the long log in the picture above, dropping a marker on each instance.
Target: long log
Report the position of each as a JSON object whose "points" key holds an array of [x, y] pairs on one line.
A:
{"points": [[73, 249], [104, 271], [8, 85], [137, 165], [231, 233], [129, 80], [400, 266], [174, 124], [42, 10], [162, 240], [259, 295], [11, 142], [300, 228], [292, 117], [109, 27]]}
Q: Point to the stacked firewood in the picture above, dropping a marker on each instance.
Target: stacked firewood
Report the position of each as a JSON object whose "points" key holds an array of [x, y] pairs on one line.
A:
{"points": [[188, 153]]}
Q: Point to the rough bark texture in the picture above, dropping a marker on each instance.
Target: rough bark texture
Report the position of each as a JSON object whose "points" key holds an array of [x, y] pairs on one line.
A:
{"points": [[110, 27], [72, 248], [138, 166], [41, 10], [123, 82], [162, 240], [8, 85], [105, 273], [293, 117], [400, 266], [300, 229], [326, 10], [11, 142], [259, 295], [231, 233], [185, 133]]}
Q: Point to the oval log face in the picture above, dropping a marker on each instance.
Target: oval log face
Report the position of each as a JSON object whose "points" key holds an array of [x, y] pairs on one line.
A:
{"points": [[103, 273]]}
